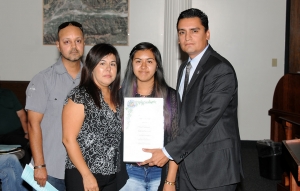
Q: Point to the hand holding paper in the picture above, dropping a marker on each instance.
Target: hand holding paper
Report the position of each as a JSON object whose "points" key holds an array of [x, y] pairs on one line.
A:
{"points": [[40, 176], [27, 175], [158, 158]]}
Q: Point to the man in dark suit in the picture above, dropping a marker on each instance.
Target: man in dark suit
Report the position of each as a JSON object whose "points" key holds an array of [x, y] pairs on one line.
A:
{"points": [[207, 148]]}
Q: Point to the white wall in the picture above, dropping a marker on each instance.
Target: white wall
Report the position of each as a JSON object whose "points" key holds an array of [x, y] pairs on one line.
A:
{"points": [[249, 33], [22, 51]]}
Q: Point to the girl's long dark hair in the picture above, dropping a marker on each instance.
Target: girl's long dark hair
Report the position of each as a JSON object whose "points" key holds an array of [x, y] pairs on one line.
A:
{"points": [[160, 88], [94, 56]]}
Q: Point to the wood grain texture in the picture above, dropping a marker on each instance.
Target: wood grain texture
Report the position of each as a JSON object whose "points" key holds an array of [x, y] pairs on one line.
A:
{"points": [[294, 37]]}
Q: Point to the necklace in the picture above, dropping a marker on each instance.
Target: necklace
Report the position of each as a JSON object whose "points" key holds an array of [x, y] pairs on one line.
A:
{"points": [[148, 95]]}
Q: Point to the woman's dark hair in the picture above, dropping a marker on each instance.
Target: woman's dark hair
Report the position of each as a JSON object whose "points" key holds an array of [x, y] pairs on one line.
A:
{"points": [[191, 13], [94, 56], [160, 88]]}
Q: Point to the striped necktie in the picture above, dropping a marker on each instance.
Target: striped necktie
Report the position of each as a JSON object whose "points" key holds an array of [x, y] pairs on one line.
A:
{"points": [[186, 79]]}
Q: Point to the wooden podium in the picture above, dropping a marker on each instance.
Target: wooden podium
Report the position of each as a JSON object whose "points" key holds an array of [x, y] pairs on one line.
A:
{"points": [[286, 104], [291, 155], [285, 115]]}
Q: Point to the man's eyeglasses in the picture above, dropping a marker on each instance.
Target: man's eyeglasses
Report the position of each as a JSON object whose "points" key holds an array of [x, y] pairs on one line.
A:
{"points": [[73, 23]]}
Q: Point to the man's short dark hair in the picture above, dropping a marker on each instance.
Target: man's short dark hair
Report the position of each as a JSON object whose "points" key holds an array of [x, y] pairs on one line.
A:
{"points": [[65, 24], [191, 13]]}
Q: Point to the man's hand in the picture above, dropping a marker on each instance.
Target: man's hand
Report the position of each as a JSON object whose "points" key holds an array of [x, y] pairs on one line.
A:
{"points": [[40, 176], [158, 158]]}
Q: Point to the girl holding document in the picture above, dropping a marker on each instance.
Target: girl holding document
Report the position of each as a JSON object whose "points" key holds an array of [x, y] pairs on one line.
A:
{"points": [[144, 77], [92, 124]]}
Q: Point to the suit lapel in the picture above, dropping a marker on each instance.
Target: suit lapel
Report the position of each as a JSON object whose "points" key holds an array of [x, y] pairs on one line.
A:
{"points": [[201, 65]]}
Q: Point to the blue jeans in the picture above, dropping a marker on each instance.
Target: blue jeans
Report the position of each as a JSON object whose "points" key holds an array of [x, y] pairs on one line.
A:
{"points": [[10, 173], [142, 178], [59, 184]]}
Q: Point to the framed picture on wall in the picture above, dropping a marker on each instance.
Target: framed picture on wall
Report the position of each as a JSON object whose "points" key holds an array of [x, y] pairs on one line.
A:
{"points": [[103, 21]]}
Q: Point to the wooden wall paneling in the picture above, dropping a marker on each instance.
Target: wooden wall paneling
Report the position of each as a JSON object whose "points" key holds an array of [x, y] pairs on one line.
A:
{"points": [[294, 36]]}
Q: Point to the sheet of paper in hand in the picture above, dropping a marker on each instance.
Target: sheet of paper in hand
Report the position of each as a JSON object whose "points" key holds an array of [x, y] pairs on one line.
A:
{"points": [[143, 127]]}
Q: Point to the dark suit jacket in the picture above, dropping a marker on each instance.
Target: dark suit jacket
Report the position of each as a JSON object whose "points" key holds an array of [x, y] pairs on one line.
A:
{"points": [[209, 140]]}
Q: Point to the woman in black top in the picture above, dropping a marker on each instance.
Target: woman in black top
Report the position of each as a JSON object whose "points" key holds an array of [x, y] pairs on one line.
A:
{"points": [[92, 124]]}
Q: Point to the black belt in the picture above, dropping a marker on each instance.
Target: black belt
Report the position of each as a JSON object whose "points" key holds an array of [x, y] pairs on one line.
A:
{"points": [[136, 165]]}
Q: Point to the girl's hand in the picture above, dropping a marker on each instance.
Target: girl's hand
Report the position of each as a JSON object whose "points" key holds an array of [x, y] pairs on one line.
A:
{"points": [[168, 187]]}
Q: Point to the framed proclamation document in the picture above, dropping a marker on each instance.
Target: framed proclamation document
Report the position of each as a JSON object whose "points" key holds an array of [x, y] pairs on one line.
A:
{"points": [[143, 127]]}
